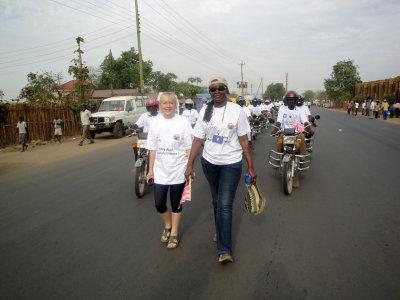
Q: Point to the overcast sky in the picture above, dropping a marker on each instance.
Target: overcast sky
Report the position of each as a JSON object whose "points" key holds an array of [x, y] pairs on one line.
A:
{"points": [[201, 38]]}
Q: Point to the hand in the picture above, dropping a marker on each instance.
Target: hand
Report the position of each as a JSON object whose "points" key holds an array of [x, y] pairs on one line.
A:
{"points": [[253, 175], [189, 174], [150, 175]]}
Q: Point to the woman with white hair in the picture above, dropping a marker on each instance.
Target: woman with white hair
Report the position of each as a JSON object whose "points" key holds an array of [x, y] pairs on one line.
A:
{"points": [[169, 141], [224, 127]]}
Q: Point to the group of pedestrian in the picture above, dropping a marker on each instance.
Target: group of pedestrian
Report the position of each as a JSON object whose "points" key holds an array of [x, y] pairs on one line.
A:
{"points": [[373, 109], [222, 129]]}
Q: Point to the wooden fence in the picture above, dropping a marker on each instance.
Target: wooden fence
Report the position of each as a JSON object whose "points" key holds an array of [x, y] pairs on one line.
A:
{"points": [[39, 118]]}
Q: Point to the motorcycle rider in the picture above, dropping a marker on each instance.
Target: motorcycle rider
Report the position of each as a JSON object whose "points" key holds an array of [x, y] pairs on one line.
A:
{"points": [[240, 100], [255, 110], [146, 118], [190, 113], [288, 115]]}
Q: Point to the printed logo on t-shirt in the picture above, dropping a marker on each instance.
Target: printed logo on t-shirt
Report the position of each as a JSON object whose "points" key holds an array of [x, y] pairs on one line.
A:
{"points": [[176, 137], [285, 115], [230, 126]]}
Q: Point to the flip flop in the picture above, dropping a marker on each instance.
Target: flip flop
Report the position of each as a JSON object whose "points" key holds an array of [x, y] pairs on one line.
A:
{"points": [[174, 240], [165, 234]]}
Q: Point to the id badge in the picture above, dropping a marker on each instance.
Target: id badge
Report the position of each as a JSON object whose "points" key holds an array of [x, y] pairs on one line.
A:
{"points": [[217, 139]]}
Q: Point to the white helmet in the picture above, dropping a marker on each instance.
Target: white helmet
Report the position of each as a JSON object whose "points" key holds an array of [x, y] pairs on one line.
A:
{"points": [[189, 101]]}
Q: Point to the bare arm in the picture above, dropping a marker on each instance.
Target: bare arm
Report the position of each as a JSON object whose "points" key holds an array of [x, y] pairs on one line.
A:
{"points": [[244, 142], [193, 154], [152, 158]]}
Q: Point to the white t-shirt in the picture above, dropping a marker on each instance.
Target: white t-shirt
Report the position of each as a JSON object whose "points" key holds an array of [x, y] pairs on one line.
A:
{"points": [[264, 107], [256, 110], [222, 133], [270, 106], [191, 115], [145, 120], [372, 106], [364, 105], [246, 111], [85, 117], [170, 138], [288, 116], [57, 123], [357, 105], [21, 127], [305, 109]]}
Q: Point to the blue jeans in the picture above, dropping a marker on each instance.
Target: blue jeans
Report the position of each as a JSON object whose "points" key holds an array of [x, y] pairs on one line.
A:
{"points": [[223, 181]]}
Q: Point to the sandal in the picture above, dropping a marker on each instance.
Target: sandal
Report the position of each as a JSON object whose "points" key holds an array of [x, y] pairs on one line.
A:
{"points": [[166, 233], [173, 240]]}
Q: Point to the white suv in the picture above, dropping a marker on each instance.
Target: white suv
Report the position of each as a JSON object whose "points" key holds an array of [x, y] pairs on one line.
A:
{"points": [[115, 114]]}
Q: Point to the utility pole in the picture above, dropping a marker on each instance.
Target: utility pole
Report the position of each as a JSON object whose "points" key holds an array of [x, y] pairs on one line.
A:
{"points": [[139, 48], [241, 85], [111, 72], [286, 86], [262, 87], [81, 91]]}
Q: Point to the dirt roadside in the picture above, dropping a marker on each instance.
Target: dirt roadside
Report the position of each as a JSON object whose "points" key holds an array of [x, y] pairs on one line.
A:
{"points": [[12, 159], [393, 120]]}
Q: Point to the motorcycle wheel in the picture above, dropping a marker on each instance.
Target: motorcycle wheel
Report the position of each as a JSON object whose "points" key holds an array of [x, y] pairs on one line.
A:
{"points": [[287, 180], [140, 181]]}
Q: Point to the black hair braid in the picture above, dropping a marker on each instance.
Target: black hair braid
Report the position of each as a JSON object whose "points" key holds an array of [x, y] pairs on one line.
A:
{"points": [[208, 112]]}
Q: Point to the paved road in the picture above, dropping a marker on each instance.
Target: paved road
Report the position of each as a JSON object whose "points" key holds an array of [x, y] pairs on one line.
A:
{"points": [[74, 229]]}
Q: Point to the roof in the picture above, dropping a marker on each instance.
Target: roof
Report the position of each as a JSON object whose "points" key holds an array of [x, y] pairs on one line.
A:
{"points": [[101, 94], [68, 86]]}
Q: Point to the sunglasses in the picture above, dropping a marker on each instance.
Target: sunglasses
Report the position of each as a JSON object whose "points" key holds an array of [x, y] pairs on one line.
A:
{"points": [[221, 88]]}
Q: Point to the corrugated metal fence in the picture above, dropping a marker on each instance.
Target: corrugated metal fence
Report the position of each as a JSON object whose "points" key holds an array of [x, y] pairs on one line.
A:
{"points": [[39, 118]]}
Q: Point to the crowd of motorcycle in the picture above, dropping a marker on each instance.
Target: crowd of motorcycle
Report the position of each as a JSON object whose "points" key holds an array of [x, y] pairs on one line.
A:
{"points": [[290, 120]]}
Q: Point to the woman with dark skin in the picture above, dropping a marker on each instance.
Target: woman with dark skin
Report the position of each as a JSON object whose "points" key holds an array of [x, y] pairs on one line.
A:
{"points": [[224, 127]]}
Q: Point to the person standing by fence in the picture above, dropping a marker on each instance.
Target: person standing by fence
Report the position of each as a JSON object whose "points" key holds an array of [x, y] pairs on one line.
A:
{"points": [[85, 120], [22, 129], [57, 128]]}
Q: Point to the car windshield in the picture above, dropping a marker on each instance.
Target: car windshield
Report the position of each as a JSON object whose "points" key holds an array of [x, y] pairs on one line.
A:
{"points": [[115, 105]]}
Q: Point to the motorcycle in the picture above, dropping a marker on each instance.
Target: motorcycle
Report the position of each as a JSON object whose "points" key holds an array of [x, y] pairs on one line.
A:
{"points": [[255, 128], [141, 163], [288, 162], [310, 138]]}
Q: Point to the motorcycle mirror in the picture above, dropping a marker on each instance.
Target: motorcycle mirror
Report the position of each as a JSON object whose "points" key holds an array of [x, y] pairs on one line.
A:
{"points": [[317, 117], [272, 121]]}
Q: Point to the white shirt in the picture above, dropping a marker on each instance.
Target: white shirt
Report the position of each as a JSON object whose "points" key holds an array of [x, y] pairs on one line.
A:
{"points": [[256, 110], [246, 111], [357, 105], [372, 105], [171, 138], [305, 109], [222, 133], [145, 121], [270, 106], [85, 117], [264, 107], [364, 105], [287, 116], [21, 127], [191, 115], [57, 123]]}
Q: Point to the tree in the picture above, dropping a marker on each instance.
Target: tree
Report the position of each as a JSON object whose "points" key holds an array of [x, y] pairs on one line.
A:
{"points": [[342, 81], [309, 95], [161, 82], [274, 91], [1, 96], [321, 95], [187, 89], [125, 71], [80, 72], [41, 88], [196, 80]]}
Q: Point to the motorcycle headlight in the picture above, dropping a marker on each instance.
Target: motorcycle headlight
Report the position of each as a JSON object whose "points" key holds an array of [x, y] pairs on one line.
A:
{"points": [[106, 120], [288, 139]]}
